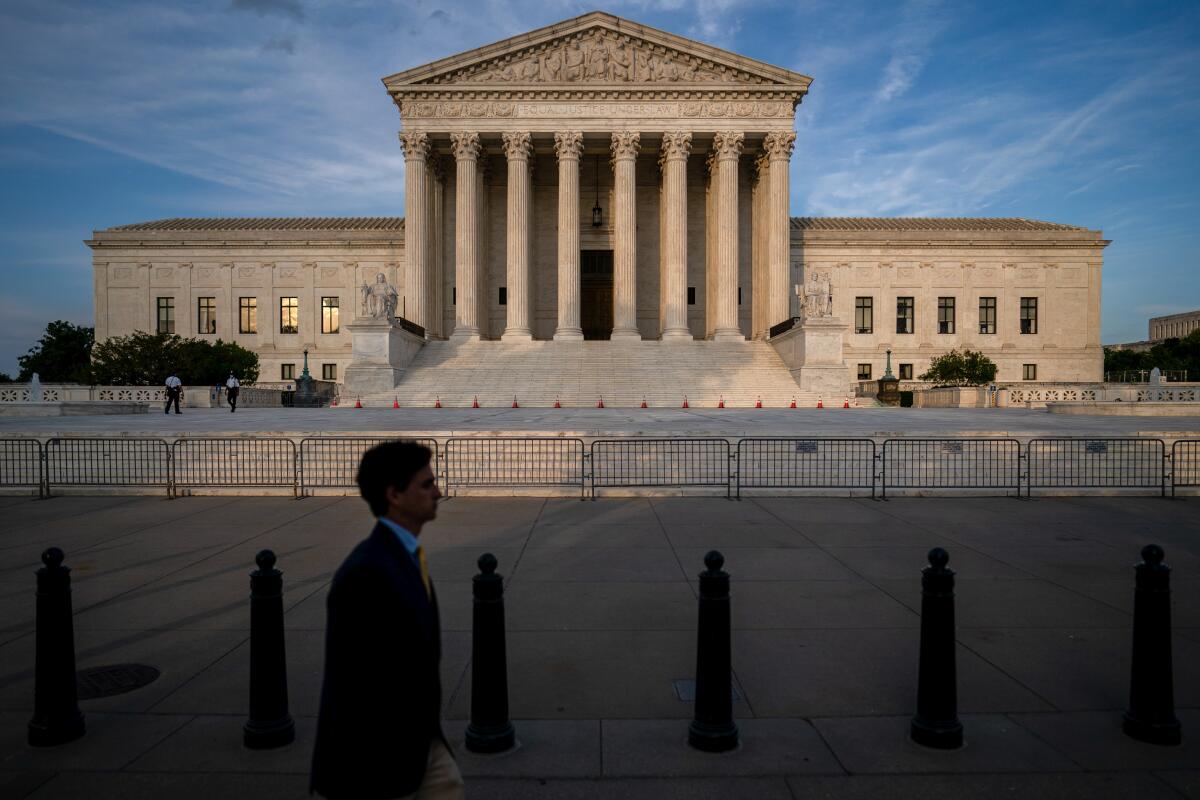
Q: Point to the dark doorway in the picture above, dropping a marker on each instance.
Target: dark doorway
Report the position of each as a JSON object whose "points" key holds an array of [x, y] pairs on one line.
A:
{"points": [[596, 293]]}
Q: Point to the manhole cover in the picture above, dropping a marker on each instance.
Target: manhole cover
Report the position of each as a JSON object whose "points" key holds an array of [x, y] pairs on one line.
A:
{"points": [[113, 680]]}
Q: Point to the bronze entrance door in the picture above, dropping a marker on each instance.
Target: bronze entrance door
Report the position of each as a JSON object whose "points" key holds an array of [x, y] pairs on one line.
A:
{"points": [[596, 293]]}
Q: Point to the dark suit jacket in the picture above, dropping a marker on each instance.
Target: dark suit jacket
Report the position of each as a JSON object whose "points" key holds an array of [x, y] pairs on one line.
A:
{"points": [[382, 696]]}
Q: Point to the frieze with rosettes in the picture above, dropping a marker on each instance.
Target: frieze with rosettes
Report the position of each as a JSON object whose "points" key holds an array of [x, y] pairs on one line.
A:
{"points": [[696, 109]]}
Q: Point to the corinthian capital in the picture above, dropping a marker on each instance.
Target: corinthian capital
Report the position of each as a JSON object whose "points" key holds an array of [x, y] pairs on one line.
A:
{"points": [[728, 145], [676, 144], [465, 145], [517, 146], [625, 144], [568, 144], [415, 144], [780, 145]]}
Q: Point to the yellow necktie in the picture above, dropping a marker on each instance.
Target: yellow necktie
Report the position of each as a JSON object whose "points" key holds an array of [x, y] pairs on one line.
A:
{"points": [[424, 573]]}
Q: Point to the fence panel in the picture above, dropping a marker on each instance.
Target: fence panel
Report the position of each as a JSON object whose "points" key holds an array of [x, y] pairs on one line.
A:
{"points": [[951, 464], [514, 461], [795, 463], [1125, 463], [22, 463], [332, 461], [1185, 463], [248, 461], [661, 462], [108, 462]]}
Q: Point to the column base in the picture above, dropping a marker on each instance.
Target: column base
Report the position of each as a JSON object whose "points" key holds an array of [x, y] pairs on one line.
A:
{"points": [[568, 335], [677, 335], [465, 335], [517, 336], [628, 334], [728, 335]]}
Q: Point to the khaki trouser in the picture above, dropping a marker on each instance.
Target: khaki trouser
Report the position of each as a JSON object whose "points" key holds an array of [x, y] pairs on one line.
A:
{"points": [[442, 778]]}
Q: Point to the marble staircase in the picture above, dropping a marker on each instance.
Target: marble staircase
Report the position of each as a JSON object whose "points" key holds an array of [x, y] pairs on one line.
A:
{"points": [[580, 373]]}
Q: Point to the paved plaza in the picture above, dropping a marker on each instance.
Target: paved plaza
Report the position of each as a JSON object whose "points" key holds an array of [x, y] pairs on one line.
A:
{"points": [[601, 613]]}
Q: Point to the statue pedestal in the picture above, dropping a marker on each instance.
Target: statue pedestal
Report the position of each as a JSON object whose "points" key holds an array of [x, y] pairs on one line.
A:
{"points": [[812, 351], [382, 351]]}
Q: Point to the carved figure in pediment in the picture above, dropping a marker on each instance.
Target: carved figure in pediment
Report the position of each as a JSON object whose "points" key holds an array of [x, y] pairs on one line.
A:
{"points": [[574, 58], [622, 63], [552, 67], [598, 59], [531, 70]]}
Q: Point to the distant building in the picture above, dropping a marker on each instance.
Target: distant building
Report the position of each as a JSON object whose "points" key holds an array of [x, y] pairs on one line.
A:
{"points": [[1174, 326]]}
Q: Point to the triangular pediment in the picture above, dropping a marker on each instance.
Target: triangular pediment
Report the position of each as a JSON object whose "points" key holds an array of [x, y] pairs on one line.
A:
{"points": [[598, 50]]}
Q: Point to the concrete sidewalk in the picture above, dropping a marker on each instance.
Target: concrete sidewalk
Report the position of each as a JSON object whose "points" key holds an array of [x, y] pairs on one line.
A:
{"points": [[601, 613]]}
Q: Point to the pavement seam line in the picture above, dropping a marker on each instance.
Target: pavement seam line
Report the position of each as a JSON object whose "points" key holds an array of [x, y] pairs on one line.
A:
{"points": [[168, 735]]}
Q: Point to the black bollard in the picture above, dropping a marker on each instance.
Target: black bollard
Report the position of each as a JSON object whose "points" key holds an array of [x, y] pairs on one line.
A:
{"points": [[270, 724], [1151, 715], [490, 730], [56, 715], [713, 729], [936, 723]]}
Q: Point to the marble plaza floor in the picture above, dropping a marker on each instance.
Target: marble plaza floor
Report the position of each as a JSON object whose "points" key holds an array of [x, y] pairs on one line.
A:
{"points": [[601, 612]]}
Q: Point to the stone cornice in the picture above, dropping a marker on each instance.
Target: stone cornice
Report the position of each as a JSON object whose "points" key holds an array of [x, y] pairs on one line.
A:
{"points": [[142, 244]]}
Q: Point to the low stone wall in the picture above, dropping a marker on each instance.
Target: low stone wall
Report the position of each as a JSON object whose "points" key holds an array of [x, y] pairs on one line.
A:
{"points": [[1037, 396], [72, 408], [951, 397], [1116, 409]]}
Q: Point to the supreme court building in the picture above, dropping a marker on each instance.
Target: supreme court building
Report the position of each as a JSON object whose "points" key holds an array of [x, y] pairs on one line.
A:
{"points": [[601, 180]]}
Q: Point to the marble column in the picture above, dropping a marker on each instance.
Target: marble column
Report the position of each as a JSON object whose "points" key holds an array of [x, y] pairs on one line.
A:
{"points": [[676, 146], [760, 287], [416, 228], [625, 146], [779, 232], [517, 149], [466, 235], [568, 146], [728, 147], [437, 279]]}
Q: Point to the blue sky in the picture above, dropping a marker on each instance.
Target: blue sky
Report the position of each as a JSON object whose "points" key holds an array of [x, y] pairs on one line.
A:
{"points": [[116, 111]]}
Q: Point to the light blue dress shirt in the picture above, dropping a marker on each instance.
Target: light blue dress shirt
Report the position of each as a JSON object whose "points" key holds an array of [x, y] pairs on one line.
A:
{"points": [[407, 539]]}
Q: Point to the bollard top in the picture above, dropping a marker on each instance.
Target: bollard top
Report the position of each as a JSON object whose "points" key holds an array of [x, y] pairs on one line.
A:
{"points": [[938, 558], [52, 557], [714, 560], [265, 560], [487, 564], [1152, 555]]}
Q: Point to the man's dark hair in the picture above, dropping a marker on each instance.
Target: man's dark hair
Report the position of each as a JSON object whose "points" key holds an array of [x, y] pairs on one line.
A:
{"points": [[389, 464]]}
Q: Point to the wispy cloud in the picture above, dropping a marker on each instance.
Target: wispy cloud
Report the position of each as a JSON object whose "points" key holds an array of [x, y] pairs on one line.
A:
{"points": [[287, 8]]}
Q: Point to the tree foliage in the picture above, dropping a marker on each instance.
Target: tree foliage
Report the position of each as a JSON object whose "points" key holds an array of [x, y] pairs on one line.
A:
{"points": [[60, 356], [1169, 354], [965, 368], [146, 359]]}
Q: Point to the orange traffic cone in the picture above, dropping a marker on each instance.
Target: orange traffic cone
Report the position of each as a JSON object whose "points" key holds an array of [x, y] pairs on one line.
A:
{"points": [[475, 401], [758, 403], [437, 401], [820, 402], [793, 405], [395, 402], [644, 401], [514, 405], [556, 403], [333, 403], [601, 403], [358, 403], [685, 403], [721, 402], [846, 403]]}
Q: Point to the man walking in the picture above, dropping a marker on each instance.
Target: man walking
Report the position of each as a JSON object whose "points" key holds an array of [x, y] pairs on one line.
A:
{"points": [[232, 387], [174, 389], [379, 733]]}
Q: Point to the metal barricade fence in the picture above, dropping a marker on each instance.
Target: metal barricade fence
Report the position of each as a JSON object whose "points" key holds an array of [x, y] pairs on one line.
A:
{"points": [[951, 464], [22, 463], [661, 462], [1124, 463], [514, 461], [332, 461], [796, 463], [249, 461], [108, 462], [1185, 463]]}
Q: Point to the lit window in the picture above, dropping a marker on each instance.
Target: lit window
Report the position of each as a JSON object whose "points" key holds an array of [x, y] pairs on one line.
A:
{"points": [[904, 314], [906, 372], [945, 315], [987, 315], [206, 315], [1029, 372], [864, 372], [864, 314], [330, 314], [289, 315], [166, 315], [247, 315], [287, 372], [1029, 315]]}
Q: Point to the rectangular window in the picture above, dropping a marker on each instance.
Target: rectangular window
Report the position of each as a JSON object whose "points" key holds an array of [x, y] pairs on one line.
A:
{"points": [[453, 295], [166, 315], [331, 314], [329, 372], [691, 295], [904, 314], [739, 295], [1029, 372], [906, 372], [247, 315], [864, 372], [206, 315], [503, 295], [945, 315], [864, 315], [987, 315], [1029, 315], [287, 372], [289, 315]]}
